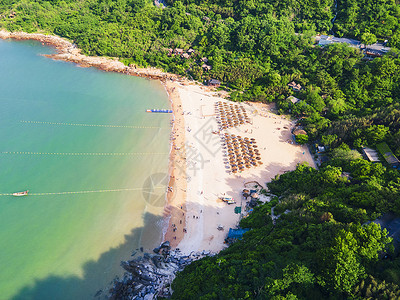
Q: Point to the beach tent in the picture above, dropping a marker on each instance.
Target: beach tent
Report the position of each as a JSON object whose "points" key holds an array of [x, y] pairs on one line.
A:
{"points": [[237, 233]]}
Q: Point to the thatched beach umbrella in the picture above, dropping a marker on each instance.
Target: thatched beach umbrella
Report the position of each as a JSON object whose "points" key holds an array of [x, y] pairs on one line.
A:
{"points": [[254, 195]]}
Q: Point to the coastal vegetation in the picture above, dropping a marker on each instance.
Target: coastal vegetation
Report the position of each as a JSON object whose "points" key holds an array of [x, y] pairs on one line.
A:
{"points": [[323, 245], [255, 48]]}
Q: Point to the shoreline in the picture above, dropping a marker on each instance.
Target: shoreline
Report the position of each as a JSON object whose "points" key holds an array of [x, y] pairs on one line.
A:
{"points": [[176, 196], [198, 167], [68, 52]]}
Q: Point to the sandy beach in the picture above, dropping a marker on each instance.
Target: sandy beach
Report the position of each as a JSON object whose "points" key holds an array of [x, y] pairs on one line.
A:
{"points": [[207, 174], [198, 173]]}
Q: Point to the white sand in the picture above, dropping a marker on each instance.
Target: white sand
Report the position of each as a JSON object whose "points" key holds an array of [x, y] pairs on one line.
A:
{"points": [[208, 177]]}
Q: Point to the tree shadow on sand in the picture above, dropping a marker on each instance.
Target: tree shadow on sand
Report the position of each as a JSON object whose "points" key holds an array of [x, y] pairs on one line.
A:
{"points": [[92, 285]]}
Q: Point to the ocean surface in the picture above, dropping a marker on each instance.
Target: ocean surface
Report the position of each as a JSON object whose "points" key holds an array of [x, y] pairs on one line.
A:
{"points": [[94, 163]]}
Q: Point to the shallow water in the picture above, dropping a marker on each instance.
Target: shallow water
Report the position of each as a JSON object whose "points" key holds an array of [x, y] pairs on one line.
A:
{"points": [[70, 245]]}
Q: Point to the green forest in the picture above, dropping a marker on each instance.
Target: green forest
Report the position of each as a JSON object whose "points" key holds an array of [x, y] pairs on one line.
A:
{"points": [[324, 245], [255, 48], [321, 247]]}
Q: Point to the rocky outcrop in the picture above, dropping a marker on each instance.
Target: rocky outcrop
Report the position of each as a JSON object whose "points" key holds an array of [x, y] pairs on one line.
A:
{"points": [[68, 51], [150, 276]]}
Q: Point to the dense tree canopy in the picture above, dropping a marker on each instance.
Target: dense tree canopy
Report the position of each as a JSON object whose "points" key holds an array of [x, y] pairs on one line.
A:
{"points": [[254, 47], [321, 247]]}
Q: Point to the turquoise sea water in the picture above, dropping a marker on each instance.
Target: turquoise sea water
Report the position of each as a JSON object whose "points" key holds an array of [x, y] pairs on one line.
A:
{"points": [[69, 246]]}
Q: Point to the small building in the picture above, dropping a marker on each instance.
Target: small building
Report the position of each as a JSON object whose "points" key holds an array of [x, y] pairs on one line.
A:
{"points": [[299, 131], [293, 99], [324, 40], [391, 223], [190, 51], [295, 86], [320, 149], [204, 59], [185, 56], [373, 53], [388, 155], [178, 51], [206, 67], [214, 82], [371, 154], [236, 233]]}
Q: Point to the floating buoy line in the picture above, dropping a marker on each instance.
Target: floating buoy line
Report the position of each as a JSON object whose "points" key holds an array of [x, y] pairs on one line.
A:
{"points": [[81, 192], [84, 153], [91, 125]]}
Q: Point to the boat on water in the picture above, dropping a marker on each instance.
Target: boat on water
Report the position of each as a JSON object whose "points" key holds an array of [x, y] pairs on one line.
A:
{"points": [[24, 193], [168, 111]]}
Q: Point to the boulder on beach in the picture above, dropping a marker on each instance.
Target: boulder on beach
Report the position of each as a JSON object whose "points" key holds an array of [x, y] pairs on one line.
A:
{"points": [[165, 245]]}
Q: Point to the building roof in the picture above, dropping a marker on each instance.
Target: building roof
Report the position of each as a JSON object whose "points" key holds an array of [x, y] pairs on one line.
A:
{"points": [[391, 223], [387, 154], [330, 39], [299, 131], [214, 81], [373, 52], [178, 50], [293, 99], [207, 67], [236, 233], [371, 154], [185, 55], [295, 86]]}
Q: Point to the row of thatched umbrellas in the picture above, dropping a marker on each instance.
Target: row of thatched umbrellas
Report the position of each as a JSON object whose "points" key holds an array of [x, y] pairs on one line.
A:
{"points": [[241, 152], [230, 115]]}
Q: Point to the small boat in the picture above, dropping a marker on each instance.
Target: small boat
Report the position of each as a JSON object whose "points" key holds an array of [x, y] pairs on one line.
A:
{"points": [[169, 111], [24, 193]]}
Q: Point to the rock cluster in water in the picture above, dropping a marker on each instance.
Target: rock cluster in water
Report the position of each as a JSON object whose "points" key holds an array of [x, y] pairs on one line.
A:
{"points": [[150, 276]]}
